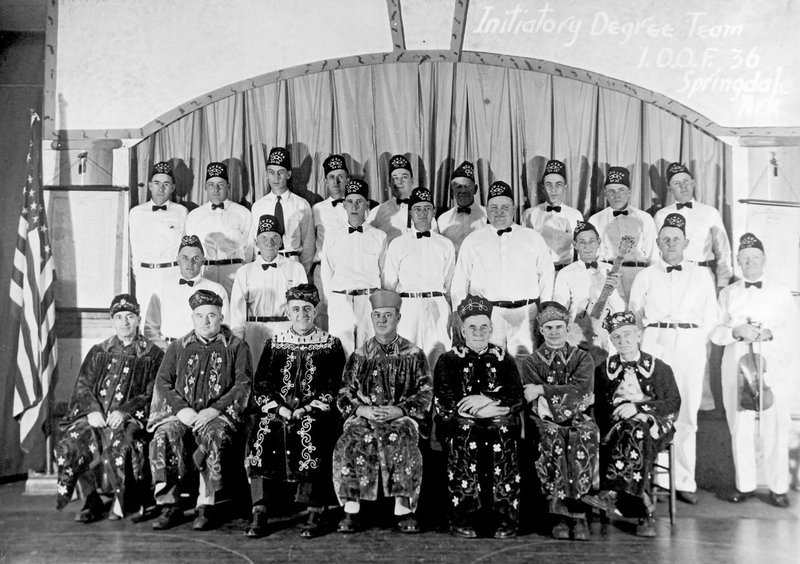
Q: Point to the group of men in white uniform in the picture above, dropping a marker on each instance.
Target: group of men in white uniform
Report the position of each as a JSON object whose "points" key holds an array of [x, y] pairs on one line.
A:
{"points": [[664, 269]]}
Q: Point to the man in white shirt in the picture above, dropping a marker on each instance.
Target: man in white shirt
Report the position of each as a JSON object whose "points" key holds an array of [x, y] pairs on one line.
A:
{"points": [[156, 228], [761, 318], [553, 219], [392, 216], [620, 219], [352, 260], [510, 266], [419, 266], [223, 227], [258, 297], [579, 286], [169, 316], [329, 215], [293, 212], [468, 214], [675, 302], [708, 239]]}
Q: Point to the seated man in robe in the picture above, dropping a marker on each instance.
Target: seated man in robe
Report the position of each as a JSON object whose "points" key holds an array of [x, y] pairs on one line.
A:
{"points": [[478, 397], [386, 398], [107, 414], [200, 397], [636, 404], [295, 389], [558, 382]]}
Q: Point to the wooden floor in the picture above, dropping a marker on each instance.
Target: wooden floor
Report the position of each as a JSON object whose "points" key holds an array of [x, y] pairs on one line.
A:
{"points": [[713, 531]]}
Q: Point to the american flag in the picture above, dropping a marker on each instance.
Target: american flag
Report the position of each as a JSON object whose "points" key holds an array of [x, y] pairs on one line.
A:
{"points": [[33, 299]]}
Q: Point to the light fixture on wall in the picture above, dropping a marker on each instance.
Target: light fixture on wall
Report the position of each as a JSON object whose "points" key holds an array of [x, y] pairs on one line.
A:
{"points": [[773, 162]]}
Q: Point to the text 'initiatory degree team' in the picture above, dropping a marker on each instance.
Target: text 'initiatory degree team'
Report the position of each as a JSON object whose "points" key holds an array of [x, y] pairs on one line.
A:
{"points": [[353, 369]]}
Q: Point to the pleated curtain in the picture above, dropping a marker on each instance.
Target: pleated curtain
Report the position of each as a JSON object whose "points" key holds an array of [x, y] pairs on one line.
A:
{"points": [[509, 122]]}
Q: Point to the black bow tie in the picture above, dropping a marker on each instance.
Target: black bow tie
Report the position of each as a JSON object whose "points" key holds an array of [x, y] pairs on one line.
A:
{"points": [[628, 364], [220, 206], [756, 284], [360, 229], [337, 202], [189, 283], [671, 268], [556, 209], [421, 234], [268, 265], [686, 205], [464, 209], [401, 201], [592, 264], [162, 208], [501, 231], [620, 212]]}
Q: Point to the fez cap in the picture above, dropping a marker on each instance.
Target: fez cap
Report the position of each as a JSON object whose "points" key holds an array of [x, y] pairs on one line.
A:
{"points": [[499, 188], [474, 305], [676, 168], [217, 170], [279, 156], [191, 241], [582, 226], [162, 168], [555, 167], [399, 161], [357, 186], [618, 175], [334, 162], [750, 241], [267, 223], [464, 170], [385, 298], [420, 195], [675, 220]]}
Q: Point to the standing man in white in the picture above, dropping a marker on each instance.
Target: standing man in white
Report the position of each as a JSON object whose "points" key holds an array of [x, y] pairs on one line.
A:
{"points": [[468, 214], [223, 227], [156, 228], [674, 301]]}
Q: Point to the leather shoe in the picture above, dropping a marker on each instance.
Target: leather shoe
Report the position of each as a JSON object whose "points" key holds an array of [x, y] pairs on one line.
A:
{"points": [[408, 524], [202, 522], [465, 531], [779, 500], [258, 526], [645, 527], [687, 497], [313, 527], [350, 524], [580, 532], [145, 514], [170, 516], [92, 509], [738, 497], [561, 531], [505, 531]]}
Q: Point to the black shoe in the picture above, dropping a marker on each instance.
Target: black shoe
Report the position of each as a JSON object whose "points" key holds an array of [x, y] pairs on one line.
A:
{"points": [[580, 531], [203, 520], [687, 497], [258, 526], [145, 514], [561, 531], [92, 510], [505, 531], [738, 497], [350, 524], [645, 527], [779, 500], [170, 517], [465, 531], [313, 527], [408, 524]]}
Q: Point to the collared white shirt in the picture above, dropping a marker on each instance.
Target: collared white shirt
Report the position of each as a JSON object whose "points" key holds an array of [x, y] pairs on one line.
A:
{"points": [[707, 237], [298, 223], [555, 227], [392, 218], [156, 235], [637, 224], [262, 293], [577, 288], [685, 296], [423, 264], [327, 216], [353, 261], [456, 226], [513, 266], [224, 232], [170, 315]]}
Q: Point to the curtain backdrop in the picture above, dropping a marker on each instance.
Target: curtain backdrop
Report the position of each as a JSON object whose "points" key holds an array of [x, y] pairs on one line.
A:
{"points": [[509, 122]]}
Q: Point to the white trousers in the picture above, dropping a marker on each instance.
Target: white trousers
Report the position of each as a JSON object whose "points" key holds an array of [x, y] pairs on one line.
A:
{"points": [[223, 274], [775, 425], [349, 319], [149, 281], [513, 329], [685, 351], [426, 323]]}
